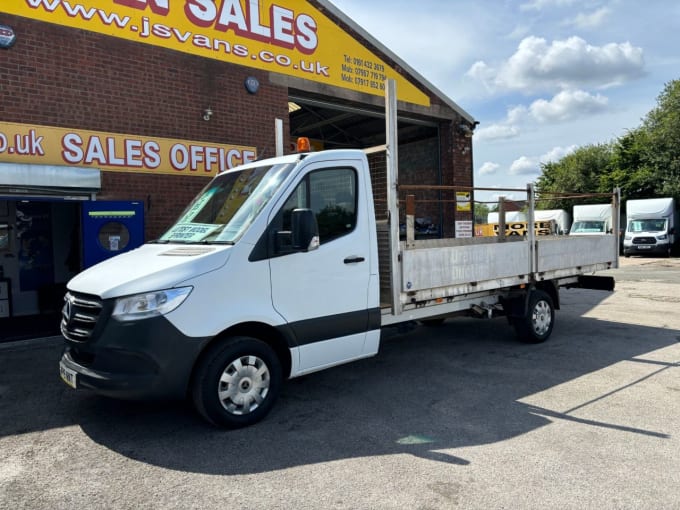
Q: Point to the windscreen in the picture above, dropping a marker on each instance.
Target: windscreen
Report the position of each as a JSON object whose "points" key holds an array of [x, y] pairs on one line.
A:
{"points": [[593, 226], [654, 225], [227, 206]]}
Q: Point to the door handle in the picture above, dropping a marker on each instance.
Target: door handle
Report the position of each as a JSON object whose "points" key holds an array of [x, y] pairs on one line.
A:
{"points": [[353, 260]]}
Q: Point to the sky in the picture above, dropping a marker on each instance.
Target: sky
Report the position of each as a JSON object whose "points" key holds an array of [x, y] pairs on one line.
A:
{"points": [[542, 77]]}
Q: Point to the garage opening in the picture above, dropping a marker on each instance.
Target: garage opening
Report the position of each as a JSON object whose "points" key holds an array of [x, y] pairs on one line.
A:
{"points": [[341, 124], [345, 125]]}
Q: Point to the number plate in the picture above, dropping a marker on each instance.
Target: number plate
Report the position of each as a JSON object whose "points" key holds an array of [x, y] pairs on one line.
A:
{"points": [[68, 376], [644, 247]]}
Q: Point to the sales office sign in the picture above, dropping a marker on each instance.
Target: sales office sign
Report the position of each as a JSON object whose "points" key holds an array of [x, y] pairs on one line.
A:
{"points": [[290, 37], [43, 145]]}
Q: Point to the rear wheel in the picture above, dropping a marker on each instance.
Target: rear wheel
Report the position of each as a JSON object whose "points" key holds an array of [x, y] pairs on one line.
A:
{"points": [[536, 326], [237, 382]]}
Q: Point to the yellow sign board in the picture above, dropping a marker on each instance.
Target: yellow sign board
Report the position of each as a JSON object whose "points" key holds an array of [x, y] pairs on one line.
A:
{"points": [[290, 37], [517, 228], [463, 201], [44, 145]]}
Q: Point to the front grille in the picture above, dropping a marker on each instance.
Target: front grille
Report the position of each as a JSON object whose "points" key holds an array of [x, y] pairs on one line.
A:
{"points": [[79, 316], [644, 240]]}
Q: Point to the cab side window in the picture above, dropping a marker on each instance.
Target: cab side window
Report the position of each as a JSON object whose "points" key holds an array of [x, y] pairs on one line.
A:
{"points": [[332, 195]]}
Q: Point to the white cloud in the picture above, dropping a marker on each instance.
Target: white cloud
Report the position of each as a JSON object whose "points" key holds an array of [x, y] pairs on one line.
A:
{"points": [[568, 63], [532, 165], [489, 168], [481, 72], [517, 114], [496, 132], [557, 153], [566, 105], [525, 165], [591, 20]]}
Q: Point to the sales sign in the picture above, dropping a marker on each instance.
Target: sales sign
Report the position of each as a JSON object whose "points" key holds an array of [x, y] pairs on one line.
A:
{"points": [[290, 37], [44, 145]]}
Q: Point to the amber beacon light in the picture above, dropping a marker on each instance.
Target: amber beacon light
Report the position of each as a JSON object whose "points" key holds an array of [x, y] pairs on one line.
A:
{"points": [[303, 144]]}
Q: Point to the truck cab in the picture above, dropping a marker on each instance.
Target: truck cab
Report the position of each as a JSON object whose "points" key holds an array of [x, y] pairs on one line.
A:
{"points": [[270, 272]]}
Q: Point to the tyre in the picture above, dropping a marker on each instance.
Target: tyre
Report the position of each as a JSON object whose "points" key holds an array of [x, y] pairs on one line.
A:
{"points": [[237, 383], [536, 326]]}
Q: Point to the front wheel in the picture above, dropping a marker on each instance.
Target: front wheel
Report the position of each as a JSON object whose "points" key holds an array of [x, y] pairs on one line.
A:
{"points": [[536, 326], [237, 382]]}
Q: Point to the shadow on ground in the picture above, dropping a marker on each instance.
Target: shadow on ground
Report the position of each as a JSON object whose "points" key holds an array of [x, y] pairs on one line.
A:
{"points": [[429, 389], [29, 326]]}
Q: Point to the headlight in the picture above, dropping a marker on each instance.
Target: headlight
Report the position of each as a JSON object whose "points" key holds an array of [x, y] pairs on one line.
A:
{"points": [[628, 238], [149, 304], [662, 237]]}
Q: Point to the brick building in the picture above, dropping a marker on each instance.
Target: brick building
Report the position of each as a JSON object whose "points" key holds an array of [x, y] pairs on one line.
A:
{"points": [[114, 114]]}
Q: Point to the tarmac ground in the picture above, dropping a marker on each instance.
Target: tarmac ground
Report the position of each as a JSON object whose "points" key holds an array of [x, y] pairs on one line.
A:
{"points": [[457, 416]]}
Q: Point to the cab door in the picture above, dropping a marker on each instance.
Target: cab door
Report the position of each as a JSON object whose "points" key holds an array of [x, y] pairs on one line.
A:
{"points": [[111, 228], [323, 293]]}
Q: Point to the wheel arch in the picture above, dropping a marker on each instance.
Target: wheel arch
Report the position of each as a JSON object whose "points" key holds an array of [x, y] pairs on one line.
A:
{"points": [[517, 304], [261, 331]]}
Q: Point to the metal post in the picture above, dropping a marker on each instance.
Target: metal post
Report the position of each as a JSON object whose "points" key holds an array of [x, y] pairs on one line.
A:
{"points": [[410, 221], [501, 218], [278, 129], [616, 221], [392, 157], [531, 232]]}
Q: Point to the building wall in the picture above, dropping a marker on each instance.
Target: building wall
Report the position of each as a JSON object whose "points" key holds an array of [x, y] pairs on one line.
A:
{"points": [[458, 149], [419, 164], [446, 162]]}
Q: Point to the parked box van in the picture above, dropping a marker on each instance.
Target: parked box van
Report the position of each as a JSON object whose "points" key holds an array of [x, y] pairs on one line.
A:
{"points": [[650, 227], [592, 219]]}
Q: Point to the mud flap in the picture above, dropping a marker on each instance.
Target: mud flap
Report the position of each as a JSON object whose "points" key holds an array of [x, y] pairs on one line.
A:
{"points": [[596, 282], [515, 307]]}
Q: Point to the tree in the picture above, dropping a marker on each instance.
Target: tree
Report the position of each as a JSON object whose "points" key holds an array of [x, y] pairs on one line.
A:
{"points": [[663, 151], [481, 212], [578, 172], [629, 169], [643, 163]]}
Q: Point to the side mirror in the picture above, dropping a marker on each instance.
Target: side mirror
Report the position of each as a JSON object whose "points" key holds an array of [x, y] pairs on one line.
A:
{"points": [[304, 230]]}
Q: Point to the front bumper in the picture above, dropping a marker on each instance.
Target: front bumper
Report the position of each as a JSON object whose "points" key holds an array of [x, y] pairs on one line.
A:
{"points": [[146, 359], [646, 249]]}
